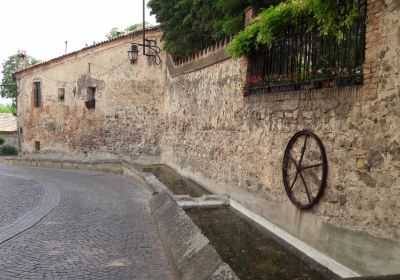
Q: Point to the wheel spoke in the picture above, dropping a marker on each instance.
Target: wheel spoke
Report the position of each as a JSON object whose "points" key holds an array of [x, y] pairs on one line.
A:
{"points": [[294, 181], [292, 159], [311, 166], [303, 150], [305, 186]]}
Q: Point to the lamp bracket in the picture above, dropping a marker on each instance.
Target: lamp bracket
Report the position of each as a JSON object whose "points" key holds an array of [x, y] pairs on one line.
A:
{"points": [[154, 48]]}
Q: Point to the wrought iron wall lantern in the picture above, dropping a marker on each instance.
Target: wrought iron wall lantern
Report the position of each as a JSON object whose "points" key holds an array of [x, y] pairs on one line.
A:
{"points": [[149, 46], [133, 53]]}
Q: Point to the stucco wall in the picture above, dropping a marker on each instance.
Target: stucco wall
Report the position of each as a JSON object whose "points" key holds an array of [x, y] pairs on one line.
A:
{"points": [[128, 116], [235, 144]]}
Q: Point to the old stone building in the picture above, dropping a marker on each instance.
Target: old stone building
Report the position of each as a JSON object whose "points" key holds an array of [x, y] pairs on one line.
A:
{"points": [[195, 116], [126, 118]]}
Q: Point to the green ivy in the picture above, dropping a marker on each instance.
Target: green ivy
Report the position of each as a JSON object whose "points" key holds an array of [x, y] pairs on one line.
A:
{"points": [[331, 16]]}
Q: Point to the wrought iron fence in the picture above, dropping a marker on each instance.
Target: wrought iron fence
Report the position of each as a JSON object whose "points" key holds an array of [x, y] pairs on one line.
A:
{"points": [[304, 59]]}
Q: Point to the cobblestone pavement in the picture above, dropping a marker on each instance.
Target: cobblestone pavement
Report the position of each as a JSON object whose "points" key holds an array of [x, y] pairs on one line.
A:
{"points": [[102, 229], [16, 197]]}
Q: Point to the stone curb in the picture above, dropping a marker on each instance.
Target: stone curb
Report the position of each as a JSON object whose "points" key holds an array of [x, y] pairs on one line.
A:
{"points": [[192, 252], [387, 277], [108, 166]]}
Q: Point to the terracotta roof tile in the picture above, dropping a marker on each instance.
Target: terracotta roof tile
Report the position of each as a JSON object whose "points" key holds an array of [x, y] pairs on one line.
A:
{"points": [[8, 122]]}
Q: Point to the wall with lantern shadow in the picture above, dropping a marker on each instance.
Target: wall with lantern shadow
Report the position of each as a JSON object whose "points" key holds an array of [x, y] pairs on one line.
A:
{"points": [[128, 114]]}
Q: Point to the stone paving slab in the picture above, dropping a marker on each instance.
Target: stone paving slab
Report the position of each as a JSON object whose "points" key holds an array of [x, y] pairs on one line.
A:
{"points": [[102, 229]]}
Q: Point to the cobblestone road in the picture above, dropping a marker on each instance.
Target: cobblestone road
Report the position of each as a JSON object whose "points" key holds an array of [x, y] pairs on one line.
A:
{"points": [[102, 229], [16, 197]]}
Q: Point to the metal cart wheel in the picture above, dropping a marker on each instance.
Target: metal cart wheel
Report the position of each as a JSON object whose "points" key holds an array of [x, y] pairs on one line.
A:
{"points": [[305, 169]]}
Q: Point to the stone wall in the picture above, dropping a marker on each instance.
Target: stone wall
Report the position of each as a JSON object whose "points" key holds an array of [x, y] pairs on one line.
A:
{"points": [[198, 119], [128, 114], [234, 144]]}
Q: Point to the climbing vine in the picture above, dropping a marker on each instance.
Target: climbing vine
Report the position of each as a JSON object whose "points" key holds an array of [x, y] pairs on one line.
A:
{"points": [[330, 16]]}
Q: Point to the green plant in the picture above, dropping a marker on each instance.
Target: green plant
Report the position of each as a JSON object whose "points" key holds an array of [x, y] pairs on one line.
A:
{"points": [[11, 65], [8, 150], [190, 25], [330, 16], [7, 109], [115, 32], [2, 140]]}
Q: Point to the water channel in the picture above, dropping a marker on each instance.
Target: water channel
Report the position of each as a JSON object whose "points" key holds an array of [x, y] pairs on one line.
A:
{"points": [[253, 252]]}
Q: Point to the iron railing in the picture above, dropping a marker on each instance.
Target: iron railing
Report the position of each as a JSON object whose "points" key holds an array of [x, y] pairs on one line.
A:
{"points": [[304, 59]]}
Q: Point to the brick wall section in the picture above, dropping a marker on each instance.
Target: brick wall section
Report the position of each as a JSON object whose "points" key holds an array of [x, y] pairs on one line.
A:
{"points": [[375, 47]]}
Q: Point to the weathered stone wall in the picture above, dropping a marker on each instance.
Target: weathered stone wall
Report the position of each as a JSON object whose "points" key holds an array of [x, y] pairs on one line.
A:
{"points": [[128, 116], [202, 124], [235, 144]]}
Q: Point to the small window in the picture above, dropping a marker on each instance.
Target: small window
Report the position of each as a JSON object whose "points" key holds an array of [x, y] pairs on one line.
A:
{"points": [[37, 94], [37, 146], [91, 100], [21, 130], [61, 94]]}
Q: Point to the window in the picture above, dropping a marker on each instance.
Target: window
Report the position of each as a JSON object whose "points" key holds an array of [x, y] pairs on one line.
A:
{"points": [[37, 94], [37, 146], [91, 100], [61, 94]]}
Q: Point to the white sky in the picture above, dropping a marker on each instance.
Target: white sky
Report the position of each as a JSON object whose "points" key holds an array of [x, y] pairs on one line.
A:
{"points": [[41, 27]]}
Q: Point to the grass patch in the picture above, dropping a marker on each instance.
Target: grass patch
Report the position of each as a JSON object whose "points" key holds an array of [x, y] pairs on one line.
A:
{"points": [[7, 109]]}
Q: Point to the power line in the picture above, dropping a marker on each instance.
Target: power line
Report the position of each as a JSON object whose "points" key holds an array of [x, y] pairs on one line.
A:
{"points": [[99, 75]]}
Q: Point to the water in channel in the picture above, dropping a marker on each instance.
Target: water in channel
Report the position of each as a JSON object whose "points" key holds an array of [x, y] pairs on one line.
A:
{"points": [[251, 251], [177, 184]]}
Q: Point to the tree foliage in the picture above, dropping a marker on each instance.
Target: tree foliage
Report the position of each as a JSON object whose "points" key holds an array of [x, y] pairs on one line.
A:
{"points": [[189, 25], [11, 65], [115, 32], [331, 16]]}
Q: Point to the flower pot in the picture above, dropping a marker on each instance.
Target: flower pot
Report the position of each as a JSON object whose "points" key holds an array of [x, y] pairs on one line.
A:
{"points": [[325, 83]]}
